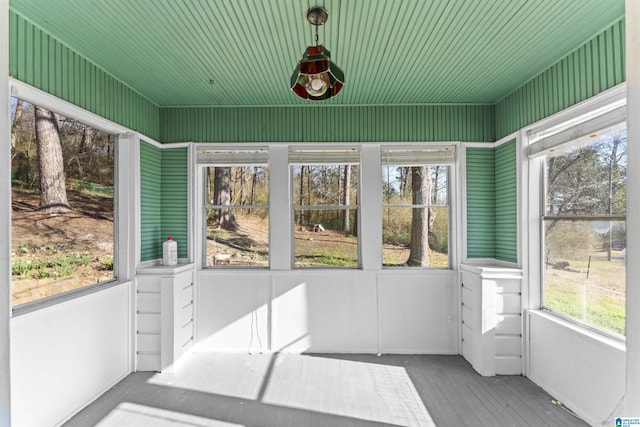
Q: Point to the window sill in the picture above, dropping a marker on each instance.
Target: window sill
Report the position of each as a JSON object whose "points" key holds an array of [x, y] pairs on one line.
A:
{"points": [[578, 329], [53, 300]]}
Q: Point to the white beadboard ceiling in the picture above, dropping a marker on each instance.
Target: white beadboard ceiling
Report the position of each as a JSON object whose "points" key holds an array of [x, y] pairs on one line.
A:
{"points": [[393, 52]]}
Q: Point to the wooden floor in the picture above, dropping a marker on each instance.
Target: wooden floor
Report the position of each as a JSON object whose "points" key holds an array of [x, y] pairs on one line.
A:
{"points": [[212, 389]]}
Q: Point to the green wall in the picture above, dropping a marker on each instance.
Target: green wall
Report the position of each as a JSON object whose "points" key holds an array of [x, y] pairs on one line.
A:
{"points": [[150, 201], [329, 124], [40, 60], [597, 65], [492, 202], [163, 199], [506, 202], [174, 209], [481, 196]]}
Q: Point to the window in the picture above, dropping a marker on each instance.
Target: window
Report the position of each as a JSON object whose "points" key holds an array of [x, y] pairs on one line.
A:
{"points": [[584, 228], [324, 185], [62, 182], [416, 214], [236, 207]]}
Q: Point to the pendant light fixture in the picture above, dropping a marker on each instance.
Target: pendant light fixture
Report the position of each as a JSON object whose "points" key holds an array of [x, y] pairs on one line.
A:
{"points": [[317, 77]]}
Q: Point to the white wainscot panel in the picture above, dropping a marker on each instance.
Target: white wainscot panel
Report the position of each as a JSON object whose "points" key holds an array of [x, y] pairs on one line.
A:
{"points": [[581, 369], [232, 310], [325, 311], [65, 355], [418, 311]]}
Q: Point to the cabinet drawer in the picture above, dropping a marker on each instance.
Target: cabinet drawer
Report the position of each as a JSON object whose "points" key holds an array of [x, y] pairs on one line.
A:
{"points": [[149, 322], [507, 303], [508, 345], [148, 342], [508, 324]]}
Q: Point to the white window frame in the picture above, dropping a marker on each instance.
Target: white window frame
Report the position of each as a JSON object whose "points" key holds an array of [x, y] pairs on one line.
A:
{"points": [[126, 179], [370, 201], [318, 155], [412, 155], [573, 123], [209, 155]]}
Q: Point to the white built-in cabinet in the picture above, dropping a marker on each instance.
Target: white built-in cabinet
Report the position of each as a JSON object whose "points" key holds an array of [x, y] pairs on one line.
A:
{"points": [[492, 319], [164, 316]]}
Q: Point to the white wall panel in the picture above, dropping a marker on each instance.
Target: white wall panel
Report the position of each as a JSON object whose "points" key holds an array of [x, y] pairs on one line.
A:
{"points": [[342, 311], [418, 312], [65, 355], [232, 310], [585, 372], [325, 311]]}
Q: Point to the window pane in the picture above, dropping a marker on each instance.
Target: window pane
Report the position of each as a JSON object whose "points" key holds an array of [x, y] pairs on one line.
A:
{"points": [[244, 244], [589, 180], [237, 216], [585, 232], [325, 185], [403, 226], [415, 236], [325, 199], [584, 273], [63, 216], [325, 242]]}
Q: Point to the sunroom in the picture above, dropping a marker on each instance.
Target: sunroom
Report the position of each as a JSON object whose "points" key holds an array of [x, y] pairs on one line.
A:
{"points": [[346, 180]]}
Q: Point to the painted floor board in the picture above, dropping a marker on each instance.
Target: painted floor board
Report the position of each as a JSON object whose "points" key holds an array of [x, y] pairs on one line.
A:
{"points": [[284, 389]]}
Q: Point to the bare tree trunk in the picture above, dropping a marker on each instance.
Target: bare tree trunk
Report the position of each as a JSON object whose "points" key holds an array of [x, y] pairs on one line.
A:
{"points": [[86, 141], [53, 194], [301, 217], [404, 178], [17, 118], [222, 197], [421, 189], [254, 179], [347, 195], [243, 187]]}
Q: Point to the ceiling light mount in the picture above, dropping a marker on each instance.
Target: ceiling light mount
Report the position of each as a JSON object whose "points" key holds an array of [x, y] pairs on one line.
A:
{"points": [[316, 77], [317, 15]]}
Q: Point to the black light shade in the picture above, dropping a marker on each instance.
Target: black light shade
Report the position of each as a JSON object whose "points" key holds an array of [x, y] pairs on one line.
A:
{"points": [[317, 77]]}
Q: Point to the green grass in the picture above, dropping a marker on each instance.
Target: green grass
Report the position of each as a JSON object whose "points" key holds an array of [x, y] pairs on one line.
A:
{"points": [[333, 258], [598, 300], [52, 266], [608, 315]]}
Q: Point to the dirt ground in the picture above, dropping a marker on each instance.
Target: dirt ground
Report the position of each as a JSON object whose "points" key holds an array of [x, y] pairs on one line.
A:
{"points": [[86, 232], [248, 246]]}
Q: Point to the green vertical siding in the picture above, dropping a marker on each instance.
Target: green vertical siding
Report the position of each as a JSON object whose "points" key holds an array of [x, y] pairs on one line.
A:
{"points": [[150, 202], [597, 65], [174, 208], [481, 196], [506, 202], [329, 124], [38, 59]]}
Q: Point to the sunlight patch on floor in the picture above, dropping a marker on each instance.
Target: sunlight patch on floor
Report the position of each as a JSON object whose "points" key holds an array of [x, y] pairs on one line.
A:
{"points": [[353, 389], [131, 414]]}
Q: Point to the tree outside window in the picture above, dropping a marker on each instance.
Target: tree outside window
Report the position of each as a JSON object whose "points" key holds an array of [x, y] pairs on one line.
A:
{"points": [[415, 219], [325, 207], [236, 208], [584, 228], [62, 186]]}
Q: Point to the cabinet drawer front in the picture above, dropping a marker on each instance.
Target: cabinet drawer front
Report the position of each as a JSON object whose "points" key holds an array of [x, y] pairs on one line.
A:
{"points": [[148, 302], [183, 296], [508, 324], [149, 322], [148, 342], [508, 345], [508, 285], [148, 362], [507, 303]]}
